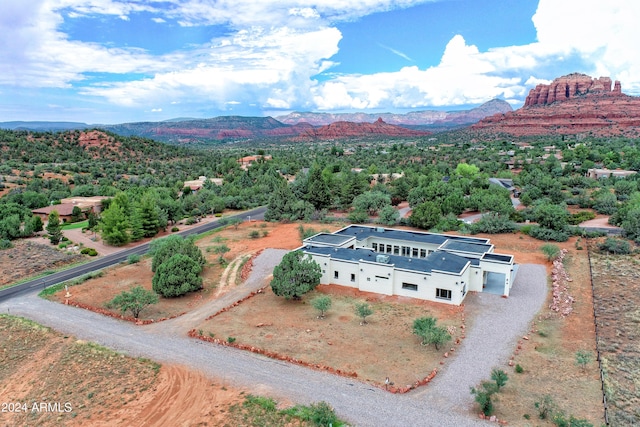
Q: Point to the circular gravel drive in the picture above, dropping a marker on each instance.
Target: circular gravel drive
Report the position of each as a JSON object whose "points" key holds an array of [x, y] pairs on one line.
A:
{"points": [[497, 324]]}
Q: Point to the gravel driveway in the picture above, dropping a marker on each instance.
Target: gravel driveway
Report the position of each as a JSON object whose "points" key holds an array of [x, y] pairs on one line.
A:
{"points": [[497, 324]]}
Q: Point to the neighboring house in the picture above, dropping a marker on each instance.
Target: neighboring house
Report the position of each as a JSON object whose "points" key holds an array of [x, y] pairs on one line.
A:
{"points": [[64, 210], [428, 266], [86, 203], [247, 161], [606, 173], [505, 183], [197, 184]]}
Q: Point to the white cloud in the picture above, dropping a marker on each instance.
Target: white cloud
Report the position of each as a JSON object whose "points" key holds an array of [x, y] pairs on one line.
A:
{"points": [[601, 36], [270, 67], [156, 110]]}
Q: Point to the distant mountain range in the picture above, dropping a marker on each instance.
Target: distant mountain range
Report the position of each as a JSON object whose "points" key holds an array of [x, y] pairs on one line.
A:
{"points": [[294, 126]]}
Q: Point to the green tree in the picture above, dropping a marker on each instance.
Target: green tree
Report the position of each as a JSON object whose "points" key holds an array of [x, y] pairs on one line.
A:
{"points": [[177, 276], [136, 300], [76, 214], [36, 224], [371, 201], [426, 215], [149, 216], [467, 171], [296, 275], [322, 303], [114, 225], [388, 215], [318, 193], [363, 310], [92, 220], [500, 377], [54, 228], [553, 217], [429, 332], [163, 249]]}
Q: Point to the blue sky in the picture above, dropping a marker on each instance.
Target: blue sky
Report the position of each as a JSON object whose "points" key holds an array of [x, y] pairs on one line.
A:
{"points": [[113, 61]]}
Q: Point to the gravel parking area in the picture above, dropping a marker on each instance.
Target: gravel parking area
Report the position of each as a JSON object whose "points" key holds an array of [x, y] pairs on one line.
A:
{"points": [[497, 324]]}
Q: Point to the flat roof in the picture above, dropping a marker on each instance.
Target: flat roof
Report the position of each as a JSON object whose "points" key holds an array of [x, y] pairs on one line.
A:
{"points": [[362, 232], [498, 257], [439, 261], [469, 247], [329, 239]]}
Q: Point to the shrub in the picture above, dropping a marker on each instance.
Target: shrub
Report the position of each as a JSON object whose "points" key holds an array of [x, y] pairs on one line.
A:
{"points": [[493, 223], [174, 229], [254, 234], [583, 358], [190, 221], [551, 251], [89, 251], [5, 244], [615, 246], [483, 396], [519, 369], [231, 340], [133, 259], [582, 216], [547, 234]]}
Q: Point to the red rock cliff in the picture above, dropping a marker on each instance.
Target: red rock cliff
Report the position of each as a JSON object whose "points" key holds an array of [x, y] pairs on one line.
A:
{"points": [[569, 87]]}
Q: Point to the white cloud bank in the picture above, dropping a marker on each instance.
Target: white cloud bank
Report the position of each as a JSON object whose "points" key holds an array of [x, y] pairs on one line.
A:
{"points": [[276, 48]]}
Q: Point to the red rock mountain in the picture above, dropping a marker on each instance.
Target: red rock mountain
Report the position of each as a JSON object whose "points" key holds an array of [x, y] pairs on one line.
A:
{"points": [[351, 129], [571, 104]]}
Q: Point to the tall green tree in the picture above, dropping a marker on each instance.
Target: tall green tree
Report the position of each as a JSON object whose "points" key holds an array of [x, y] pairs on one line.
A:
{"points": [[149, 216], [318, 193], [296, 275], [114, 225], [54, 228]]}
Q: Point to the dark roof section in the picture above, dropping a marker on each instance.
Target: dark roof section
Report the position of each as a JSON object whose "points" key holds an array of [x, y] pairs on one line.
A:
{"points": [[497, 257], [329, 239], [458, 246], [362, 232], [439, 261]]}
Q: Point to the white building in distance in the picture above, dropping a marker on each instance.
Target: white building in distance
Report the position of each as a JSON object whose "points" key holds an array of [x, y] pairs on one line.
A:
{"points": [[428, 266]]}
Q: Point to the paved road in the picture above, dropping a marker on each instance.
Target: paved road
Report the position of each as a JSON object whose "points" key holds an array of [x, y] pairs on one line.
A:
{"points": [[112, 259], [446, 402]]}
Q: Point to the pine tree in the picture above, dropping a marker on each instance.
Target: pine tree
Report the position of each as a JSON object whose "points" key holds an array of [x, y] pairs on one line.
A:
{"points": [[115, 225], [54, 228]]}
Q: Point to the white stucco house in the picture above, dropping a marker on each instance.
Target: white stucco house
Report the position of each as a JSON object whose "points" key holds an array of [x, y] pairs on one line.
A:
{"points": [[429, 266]]}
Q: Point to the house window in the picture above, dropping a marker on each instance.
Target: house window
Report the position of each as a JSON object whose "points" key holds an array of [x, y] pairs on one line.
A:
{"points": [[406, 251], [409, 286], [464, 290], [335, 274], [423, 253], [353, 277], [414, 252], [396, 250], [374, 246], [443, 294], [389, 249]]}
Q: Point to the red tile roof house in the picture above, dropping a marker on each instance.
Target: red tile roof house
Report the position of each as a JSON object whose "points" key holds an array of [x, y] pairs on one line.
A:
{"points": [[64, 210]]}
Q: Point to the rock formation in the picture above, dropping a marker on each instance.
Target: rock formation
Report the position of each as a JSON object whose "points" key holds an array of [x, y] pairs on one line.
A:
{"points": [[572, 104], [350, 130], [569, 87]]}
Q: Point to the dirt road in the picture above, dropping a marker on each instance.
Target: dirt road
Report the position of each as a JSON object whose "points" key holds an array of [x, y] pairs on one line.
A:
{"points": [[446, 402]]}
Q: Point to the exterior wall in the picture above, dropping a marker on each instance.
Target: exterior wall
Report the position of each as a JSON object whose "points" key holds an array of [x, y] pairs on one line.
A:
{"points": [[346, 272], [476, 277], [376, 278]]}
